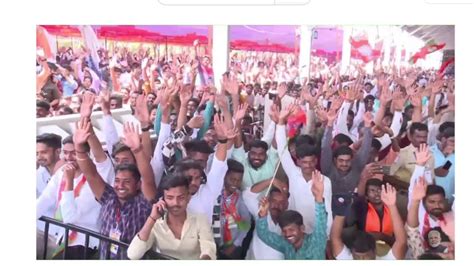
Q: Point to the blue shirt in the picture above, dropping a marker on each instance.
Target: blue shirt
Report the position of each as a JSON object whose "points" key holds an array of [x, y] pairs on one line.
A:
{"points": [[446, 182], [314, 245]]}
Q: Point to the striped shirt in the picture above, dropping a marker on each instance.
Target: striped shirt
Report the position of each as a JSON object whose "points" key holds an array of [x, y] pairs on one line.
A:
{"points": [[128, 219]]}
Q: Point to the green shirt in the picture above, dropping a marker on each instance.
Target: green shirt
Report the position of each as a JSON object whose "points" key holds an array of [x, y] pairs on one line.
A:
{"points": [[314, 245], [251, 175]]}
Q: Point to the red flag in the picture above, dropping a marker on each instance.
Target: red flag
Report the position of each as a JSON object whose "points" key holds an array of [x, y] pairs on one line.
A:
{"points": [[429, 48], [361, 49], [445, 65]]}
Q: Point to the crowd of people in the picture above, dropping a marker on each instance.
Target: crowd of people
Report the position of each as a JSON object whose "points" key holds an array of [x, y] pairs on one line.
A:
{"points": [[270, 166]]}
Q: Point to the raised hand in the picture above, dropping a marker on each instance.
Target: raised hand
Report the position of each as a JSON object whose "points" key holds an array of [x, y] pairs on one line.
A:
{"points": [[220, 127], [141, 110], [386, 96], [264, 206], [351, 94], [318, 186], [284, 114], [240, 114], [419, 190], [399, 100], [82, 133], [185, 94], [415, 100], [422, 155], [372, 170], [196, 122], [337, 102], [131, 137], [232, 133], [274, 113], [230, 84], [105, 101], [368, 118], [88, 101], [389, 195], [321, 114], [221, 101], [436, 86]]}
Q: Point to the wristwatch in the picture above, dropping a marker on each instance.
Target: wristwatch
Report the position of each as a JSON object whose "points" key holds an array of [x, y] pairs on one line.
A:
{"points": [[144, 129]]}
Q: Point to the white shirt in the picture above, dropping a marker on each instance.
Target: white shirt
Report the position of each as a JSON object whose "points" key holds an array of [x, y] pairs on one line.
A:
{"points": [[81, 211], [156, 162], [42, 178], [258, 250], [300, 190], [203, 201], [346, 254]]}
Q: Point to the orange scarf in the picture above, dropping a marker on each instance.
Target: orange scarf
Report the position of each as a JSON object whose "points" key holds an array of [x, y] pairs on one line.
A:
{"points": [[372, 222]]}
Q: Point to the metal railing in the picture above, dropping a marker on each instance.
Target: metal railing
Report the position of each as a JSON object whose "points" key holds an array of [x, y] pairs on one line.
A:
{"points": [[89, 233]]}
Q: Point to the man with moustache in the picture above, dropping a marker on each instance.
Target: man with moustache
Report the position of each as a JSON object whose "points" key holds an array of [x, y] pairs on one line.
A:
{"points": [[293, 242], [171, 230], [124, 208], [68, 198], [278, 203], [432, 212], [259, 162]]}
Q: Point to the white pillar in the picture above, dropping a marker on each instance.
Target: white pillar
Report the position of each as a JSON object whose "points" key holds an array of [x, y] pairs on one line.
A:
{"points": [[220, 53], [346, 49], [306, 35]]}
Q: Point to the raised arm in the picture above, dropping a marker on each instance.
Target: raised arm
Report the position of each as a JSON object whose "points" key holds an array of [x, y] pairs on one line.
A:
{"points": [[208, 113], [80, 137], [184, 96], [321, 215], [239, 116], [336, 235], [414, 239], [88, 100], [389, 198], [143, 116], [111, 136], [132, 140], [364, 152], [282, 143], [326, 149]]}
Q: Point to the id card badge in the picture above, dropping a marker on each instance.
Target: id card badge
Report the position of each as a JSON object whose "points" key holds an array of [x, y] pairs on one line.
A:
{"points": [[115, 235]]}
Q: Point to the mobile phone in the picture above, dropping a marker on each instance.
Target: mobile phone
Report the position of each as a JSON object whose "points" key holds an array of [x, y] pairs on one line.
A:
{"points": [[447, 165], [162, 212]]}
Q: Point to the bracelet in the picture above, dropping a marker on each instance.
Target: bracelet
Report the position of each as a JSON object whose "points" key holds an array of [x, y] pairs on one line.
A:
{"points": [[152, 218], [81, 152], [223, 141]]}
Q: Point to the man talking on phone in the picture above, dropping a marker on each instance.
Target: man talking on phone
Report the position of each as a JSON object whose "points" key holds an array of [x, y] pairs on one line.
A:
{"points": [[173, 231]]}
